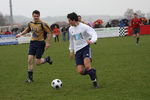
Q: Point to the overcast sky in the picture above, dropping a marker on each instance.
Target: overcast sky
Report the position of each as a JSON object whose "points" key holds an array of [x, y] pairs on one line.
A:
{"points": [[82, 7]]}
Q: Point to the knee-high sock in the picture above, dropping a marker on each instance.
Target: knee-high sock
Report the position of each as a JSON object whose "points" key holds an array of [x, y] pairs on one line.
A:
{"points": [[137, 40], [30, 74], [92, 74]]}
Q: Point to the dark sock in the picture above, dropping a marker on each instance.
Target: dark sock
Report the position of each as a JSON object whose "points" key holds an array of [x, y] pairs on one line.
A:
{"points": [[137, 40], [30, 74], [58, 39], [92, 74]]}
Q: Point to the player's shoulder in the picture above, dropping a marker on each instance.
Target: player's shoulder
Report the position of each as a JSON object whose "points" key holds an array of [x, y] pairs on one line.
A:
{"points": [[84, 25], [70, 28], [44, 23], [30, 22]]}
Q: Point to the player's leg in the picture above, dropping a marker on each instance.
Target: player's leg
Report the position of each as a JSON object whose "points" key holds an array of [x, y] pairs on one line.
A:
{"points": [[138, 35], [64, 36], [91, 71], [79, 63], [40, 61], [31, 57], [87, 63], [39, 52], [30, 68], [57, 38], [54, 36], [81, 70], [136, 32], [137, 38]]}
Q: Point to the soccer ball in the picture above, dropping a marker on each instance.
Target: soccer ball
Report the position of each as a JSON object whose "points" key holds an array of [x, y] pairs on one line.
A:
{"points": [[56, 84]]}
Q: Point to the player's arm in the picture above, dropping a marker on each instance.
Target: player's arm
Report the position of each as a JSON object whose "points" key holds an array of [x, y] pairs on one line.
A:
{"points": [[49, 32], [23, 33], [71, 47], [93, 35], [140, 22], [131, 23]]}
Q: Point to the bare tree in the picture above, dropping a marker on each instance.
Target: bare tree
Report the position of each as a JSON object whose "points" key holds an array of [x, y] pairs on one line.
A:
{"points": [[148, 15], [129, 14], [140, 14]]}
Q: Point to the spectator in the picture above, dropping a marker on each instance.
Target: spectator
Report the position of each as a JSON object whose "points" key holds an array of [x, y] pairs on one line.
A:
{"points": [[108, 25], [64, 31], [97, 25], [7, 32], [1, 32], [56, 33], [121, 24], [15, 30], [68, 32]]}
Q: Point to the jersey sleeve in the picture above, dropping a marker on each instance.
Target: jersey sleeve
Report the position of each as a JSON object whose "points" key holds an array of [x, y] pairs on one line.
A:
{"points": [[47, 28], [71, 45], [92, 33], [140, 22]]}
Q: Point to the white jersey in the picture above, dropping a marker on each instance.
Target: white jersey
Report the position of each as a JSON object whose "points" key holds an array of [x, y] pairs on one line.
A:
{"points": [[79, 35]]}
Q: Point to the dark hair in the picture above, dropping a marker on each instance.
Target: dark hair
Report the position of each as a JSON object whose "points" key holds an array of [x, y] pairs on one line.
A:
{"points": [[73, 16], [36, 12], [135, 14], [79, 15]]}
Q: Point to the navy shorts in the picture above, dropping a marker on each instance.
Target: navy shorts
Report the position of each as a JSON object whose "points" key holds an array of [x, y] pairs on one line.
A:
{"points": [[82, 54], [37, 48], [136, 30]]}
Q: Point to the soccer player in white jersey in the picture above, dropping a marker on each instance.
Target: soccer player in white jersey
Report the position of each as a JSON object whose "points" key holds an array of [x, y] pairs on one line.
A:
{"points": [[81, 37]]}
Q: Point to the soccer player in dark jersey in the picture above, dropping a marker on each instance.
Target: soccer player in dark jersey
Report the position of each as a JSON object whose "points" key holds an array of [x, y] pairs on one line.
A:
{"points": [[135, 24], [38, 43]]}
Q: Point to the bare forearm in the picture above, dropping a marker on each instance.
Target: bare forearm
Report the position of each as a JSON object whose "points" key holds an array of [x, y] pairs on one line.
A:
{"points": [[24, 32], [48, 38]]}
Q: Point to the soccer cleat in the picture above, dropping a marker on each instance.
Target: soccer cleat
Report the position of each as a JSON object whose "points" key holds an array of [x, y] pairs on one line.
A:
{"points": [[29, 81], [95, 85], [49, 60]]}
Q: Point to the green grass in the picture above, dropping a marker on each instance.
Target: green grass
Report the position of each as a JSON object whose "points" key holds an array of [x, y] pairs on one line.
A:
{"points": [[123, 70]]}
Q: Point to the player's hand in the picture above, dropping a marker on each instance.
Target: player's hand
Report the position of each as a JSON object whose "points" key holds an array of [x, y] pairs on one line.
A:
{"points": [[18, 35], [89, 42], [47, 45], [71, 56]]}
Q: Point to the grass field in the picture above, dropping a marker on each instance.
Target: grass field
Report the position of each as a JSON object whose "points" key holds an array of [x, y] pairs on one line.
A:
{"points": [[123, 70]]}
